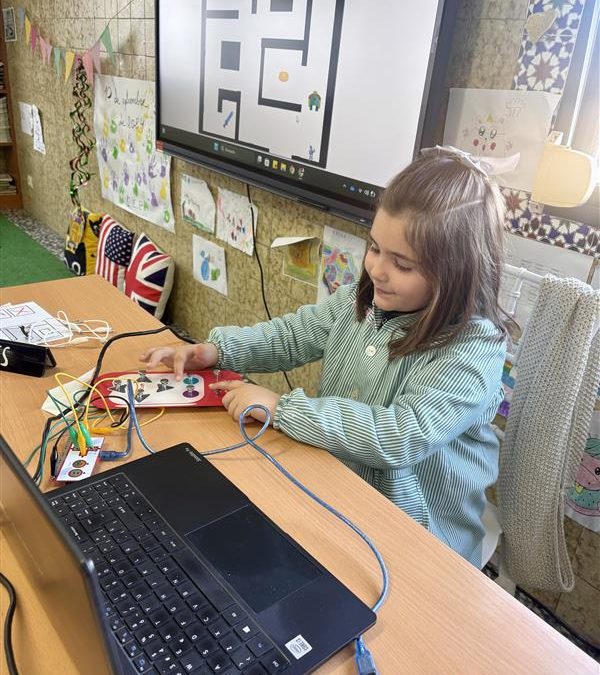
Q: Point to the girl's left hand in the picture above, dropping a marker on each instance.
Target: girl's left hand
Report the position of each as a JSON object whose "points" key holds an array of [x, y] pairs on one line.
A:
{"points": [[240, 395]]}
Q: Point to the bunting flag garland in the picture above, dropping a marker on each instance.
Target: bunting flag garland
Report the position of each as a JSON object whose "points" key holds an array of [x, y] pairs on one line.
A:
{"points": [[21, 15], [57, 59], [52, 55], [79, 173], [107, 42], [69, 58]]}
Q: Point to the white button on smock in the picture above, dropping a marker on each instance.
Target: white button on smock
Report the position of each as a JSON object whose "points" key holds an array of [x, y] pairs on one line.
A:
{"points": [[370, 350]]}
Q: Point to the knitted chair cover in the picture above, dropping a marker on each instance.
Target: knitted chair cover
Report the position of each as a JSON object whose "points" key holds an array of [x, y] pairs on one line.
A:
{"points": [[557, 376]]}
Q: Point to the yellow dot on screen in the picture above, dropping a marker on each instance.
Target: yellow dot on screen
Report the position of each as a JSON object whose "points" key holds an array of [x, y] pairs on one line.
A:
{"points": [[283, 76]]}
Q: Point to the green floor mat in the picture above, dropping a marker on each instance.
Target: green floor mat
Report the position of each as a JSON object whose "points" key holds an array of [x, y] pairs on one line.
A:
{"points": [[23, 260]]}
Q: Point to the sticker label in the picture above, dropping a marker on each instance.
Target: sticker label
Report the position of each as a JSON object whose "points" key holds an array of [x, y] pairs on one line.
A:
{"points": [[75, 467], [298, 646]]}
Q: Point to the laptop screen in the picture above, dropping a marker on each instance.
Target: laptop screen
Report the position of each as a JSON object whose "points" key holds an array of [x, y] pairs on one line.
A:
{"points": [[55, 569]]}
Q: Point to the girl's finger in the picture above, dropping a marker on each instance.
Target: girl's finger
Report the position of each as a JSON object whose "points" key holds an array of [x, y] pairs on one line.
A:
{"points": [[227, 385]]}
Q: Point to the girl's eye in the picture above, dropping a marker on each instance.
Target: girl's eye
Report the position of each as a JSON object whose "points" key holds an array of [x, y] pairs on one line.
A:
{"points": [[402, 267], [373, 248]]}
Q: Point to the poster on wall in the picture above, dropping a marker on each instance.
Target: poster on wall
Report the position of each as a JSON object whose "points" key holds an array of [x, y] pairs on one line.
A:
{"points": [[236, 220], [341, 261], [197, 203], [583, 499], [209, 264], [133, 174], [300, 258], [10, 27], [500, 123]]}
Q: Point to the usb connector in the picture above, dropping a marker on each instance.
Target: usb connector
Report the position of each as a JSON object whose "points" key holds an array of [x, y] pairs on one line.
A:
{"points": [[365, 663]]}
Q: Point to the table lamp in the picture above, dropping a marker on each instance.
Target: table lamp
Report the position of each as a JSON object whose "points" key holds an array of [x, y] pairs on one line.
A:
{"points": [[565, 177]]}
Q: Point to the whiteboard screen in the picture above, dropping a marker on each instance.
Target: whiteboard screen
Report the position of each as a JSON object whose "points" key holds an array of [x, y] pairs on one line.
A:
{"points": [[317, 97]]}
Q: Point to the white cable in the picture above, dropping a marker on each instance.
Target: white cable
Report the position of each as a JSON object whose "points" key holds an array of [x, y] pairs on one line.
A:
{"points": [[77, 331]]}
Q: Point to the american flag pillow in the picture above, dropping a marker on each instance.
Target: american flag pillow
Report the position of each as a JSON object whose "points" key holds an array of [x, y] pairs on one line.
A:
{"points": [[114, 251], [149, 277]]}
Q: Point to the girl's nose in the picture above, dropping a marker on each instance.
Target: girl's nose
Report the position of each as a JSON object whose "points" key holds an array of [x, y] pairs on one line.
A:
{"points": [[378, 271]]}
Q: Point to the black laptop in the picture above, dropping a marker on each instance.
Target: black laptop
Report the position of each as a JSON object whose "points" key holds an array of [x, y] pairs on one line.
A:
{"points": [[163, 566]]}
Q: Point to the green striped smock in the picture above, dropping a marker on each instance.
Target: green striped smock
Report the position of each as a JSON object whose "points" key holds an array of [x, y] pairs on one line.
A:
{"points": [[416, 428]]}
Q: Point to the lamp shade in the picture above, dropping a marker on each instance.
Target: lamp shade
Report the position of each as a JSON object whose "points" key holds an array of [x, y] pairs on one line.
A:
{"points": [[565, 177]]}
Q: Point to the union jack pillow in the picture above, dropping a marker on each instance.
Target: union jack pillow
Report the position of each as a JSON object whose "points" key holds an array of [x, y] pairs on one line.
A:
{"points": [[114, 251], [149, 277]]}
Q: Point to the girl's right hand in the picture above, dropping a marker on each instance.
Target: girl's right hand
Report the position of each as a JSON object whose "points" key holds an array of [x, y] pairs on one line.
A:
{"points": [[181, 359]]}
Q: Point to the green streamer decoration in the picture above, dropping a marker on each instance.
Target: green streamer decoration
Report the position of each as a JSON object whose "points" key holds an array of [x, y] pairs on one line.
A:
{"points": [[79, 173]]}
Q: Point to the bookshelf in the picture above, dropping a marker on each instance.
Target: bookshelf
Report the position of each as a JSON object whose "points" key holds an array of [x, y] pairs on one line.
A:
{"points": [[10, 184]]}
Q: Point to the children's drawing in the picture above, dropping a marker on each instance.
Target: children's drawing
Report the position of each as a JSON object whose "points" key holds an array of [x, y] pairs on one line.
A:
{"points": [[209, 264], [301, 260], [341, 261], [134, 175], [197, 203], [583, 499], [498, 123], [235, 220]]}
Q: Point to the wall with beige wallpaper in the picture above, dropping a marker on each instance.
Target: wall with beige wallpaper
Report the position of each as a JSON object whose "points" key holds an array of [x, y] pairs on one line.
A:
{"points": [[484, 54]]}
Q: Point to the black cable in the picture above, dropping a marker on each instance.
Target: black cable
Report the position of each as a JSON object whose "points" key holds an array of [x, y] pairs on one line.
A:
{"points": [[262, 276], [124, 412], [84, 395], [181, 334], [8, 648]]}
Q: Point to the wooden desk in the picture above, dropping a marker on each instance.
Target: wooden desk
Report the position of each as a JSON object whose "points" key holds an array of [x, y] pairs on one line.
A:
{"points": [[442, 615]]}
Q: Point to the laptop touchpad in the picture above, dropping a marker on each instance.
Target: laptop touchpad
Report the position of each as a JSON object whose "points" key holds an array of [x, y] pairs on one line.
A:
{"points": [[259, 562]]}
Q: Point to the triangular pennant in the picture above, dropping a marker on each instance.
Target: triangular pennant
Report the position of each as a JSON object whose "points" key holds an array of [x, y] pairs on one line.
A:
{"points": [[21, 14], [88, 64], [48, 52], [27, 29], [57, 54], [42, 43], [107, 42], [96, 56], [69, 57]]}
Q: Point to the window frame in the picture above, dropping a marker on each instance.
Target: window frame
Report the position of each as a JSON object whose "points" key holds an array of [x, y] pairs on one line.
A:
{"points": [[582, 132]]}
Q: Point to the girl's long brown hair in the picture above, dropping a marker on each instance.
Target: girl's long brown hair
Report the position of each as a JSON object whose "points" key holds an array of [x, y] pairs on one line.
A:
{"points": [[454, 219]]}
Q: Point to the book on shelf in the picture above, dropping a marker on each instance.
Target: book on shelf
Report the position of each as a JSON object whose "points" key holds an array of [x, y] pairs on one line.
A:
{"points": [[7, 184]]}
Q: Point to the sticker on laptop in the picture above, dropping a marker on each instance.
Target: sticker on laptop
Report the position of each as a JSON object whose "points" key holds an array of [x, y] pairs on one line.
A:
{"points": [[298, 646]]}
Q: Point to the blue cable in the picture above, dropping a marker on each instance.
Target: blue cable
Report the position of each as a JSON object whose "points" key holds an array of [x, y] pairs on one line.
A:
{"points": [[364, 660], [316, 498], [365, 664], [112, 454], [133, 417]]}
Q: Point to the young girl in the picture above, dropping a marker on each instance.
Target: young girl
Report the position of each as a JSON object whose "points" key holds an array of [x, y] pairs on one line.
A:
{"points": [[412, 353]]}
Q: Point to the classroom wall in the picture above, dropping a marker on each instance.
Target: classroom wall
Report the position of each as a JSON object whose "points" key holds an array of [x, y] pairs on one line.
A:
{"points": [[485, 51]]}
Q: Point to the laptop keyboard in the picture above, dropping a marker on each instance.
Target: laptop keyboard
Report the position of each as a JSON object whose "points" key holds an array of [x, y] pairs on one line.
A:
{"points": [[169, 614]]}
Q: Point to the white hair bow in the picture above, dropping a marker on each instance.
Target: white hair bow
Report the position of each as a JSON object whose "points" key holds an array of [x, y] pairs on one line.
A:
{"points": [[488, 166]]}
